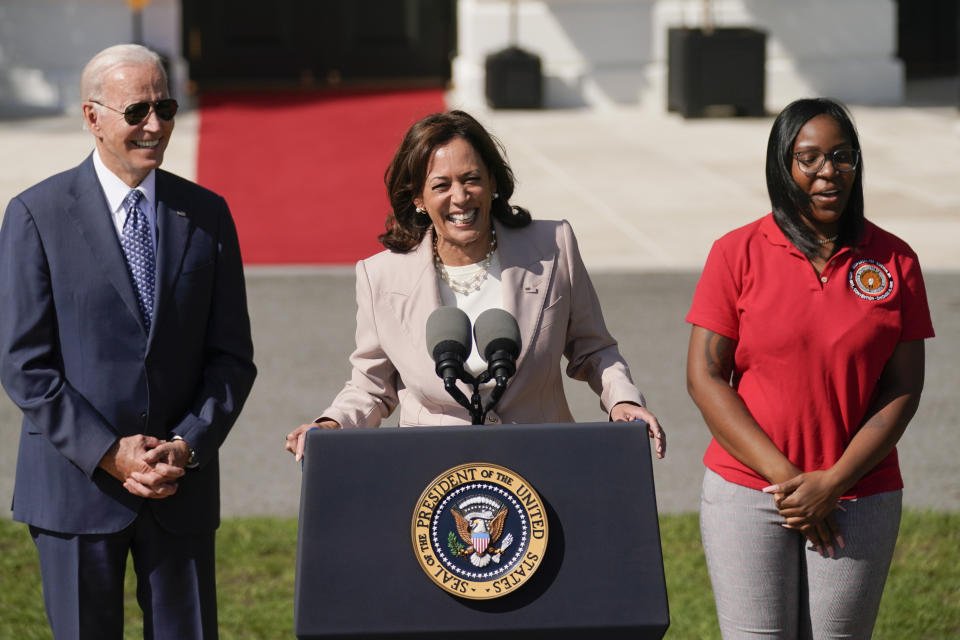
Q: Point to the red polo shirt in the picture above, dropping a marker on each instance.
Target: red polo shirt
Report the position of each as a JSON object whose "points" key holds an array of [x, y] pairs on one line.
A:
{"points": [[810, 349]]}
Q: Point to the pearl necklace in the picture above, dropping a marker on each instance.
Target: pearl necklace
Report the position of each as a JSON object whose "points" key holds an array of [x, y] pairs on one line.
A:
{"points": [[828, 240], [472, 284]]}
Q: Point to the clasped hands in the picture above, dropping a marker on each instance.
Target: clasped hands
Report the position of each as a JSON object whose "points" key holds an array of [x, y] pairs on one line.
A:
{"points": [[148, 467], [807, 503]]}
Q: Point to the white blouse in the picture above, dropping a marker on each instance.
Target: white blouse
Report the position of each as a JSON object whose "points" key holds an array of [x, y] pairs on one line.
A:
{"points": [[488, 296]]}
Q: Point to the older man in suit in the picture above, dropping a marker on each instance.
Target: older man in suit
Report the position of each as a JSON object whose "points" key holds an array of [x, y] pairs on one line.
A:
{"points": [[125, 340]]}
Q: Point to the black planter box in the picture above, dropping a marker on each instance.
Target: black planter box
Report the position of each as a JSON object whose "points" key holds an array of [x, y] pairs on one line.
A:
{"points": [[720, 72], [514, 80]]}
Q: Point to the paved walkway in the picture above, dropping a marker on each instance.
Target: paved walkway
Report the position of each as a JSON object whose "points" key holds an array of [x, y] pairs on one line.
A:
{"points": [[646, 193]]}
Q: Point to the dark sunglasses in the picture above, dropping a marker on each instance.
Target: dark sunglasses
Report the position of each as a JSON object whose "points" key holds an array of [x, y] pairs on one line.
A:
{"points": [[138, 111]]}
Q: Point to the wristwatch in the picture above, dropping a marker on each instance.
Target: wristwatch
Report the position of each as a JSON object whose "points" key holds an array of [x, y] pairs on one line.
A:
{"points": [[192, 460]]}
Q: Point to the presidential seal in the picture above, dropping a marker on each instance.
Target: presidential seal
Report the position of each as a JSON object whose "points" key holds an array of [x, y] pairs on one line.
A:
{"points": [[870, 280], [479, 531]]}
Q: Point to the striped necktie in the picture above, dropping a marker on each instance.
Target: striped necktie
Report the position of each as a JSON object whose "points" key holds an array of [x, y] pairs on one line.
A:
{"points": [[137, 242]]}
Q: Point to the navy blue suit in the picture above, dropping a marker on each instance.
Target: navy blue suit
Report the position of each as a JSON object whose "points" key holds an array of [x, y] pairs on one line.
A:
{"points": [[76, 358]]}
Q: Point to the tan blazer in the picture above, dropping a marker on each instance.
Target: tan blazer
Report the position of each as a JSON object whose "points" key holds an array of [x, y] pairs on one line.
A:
{"points": [[545, 286]]}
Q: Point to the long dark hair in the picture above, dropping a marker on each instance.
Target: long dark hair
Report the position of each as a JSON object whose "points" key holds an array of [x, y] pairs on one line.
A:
{"points": [[787, 199], [407, 174]]}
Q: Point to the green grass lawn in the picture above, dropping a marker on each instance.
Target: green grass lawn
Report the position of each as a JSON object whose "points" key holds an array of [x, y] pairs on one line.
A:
{"points": [[255, 572]]}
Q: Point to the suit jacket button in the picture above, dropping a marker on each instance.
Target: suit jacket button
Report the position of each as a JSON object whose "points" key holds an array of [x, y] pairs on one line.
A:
{"points": [[143, 417]]}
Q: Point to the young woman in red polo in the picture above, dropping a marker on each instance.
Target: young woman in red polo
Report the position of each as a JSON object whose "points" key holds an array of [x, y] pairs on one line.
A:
{"points": [[806, 359]]}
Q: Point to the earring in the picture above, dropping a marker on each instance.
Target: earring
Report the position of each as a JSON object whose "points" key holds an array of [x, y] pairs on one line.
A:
{"points": [[421, 218], [496, 195]]}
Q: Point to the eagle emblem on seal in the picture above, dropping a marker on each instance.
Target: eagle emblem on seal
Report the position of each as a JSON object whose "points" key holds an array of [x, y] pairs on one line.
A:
{"points": [[479, 522]]}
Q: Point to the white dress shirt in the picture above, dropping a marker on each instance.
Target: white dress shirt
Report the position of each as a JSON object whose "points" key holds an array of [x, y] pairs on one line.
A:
{"points": [[116, 191]]}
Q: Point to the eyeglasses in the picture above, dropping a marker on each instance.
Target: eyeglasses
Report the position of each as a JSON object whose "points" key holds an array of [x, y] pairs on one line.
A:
{"points": [[811, 162], [139, 111]]}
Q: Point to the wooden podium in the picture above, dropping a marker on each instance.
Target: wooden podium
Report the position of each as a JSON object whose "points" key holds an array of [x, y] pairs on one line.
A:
{"points": [[358, 574]]}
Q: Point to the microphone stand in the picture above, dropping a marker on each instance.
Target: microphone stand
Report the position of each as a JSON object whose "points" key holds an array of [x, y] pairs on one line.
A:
{"points": [[478, 414], [501, 386], [473, 405], [450, 384]]}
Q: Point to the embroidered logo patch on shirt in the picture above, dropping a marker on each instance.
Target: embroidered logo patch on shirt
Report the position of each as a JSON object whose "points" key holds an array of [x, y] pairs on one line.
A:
{"points": [[870, 280]]}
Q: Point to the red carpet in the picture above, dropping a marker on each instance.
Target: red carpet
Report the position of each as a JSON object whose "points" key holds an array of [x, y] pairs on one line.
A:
{"points": [[303, 172]]}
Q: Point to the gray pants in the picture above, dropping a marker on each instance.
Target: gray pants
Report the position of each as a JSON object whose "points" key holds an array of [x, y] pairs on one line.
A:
{"points": [[769, 582]]}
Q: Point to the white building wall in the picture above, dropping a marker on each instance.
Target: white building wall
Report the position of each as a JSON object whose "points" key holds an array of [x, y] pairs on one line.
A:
{"points": [[594, 52], [612, 52], [44, 45]]}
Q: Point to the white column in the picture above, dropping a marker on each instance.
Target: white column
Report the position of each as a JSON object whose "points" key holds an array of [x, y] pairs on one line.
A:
{"points": [[614, 52], [44, 45], [593, 52]]}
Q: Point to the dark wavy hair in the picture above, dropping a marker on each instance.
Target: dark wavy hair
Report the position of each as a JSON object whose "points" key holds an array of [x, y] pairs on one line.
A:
{"points": [[787, 199], [407, 174]]}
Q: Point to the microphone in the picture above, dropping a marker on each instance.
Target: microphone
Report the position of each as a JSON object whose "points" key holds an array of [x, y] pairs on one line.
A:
{"points": [[498, 340], [448, 342]]}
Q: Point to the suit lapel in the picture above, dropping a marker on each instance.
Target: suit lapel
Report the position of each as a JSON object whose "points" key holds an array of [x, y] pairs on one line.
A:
{"points": [[90, 213], [415, 298], [526, 272], [173, 233]]}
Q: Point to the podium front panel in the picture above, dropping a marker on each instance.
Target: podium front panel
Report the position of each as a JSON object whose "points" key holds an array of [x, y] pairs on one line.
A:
{"points": [[357, 573]]}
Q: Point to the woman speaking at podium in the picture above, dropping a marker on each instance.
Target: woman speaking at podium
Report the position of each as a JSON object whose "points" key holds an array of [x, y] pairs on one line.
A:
{"points": [[454, 240]]}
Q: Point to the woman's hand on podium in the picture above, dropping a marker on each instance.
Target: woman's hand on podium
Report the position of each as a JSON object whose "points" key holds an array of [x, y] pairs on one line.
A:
{"points": [[629, 412], [296, 439]]}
